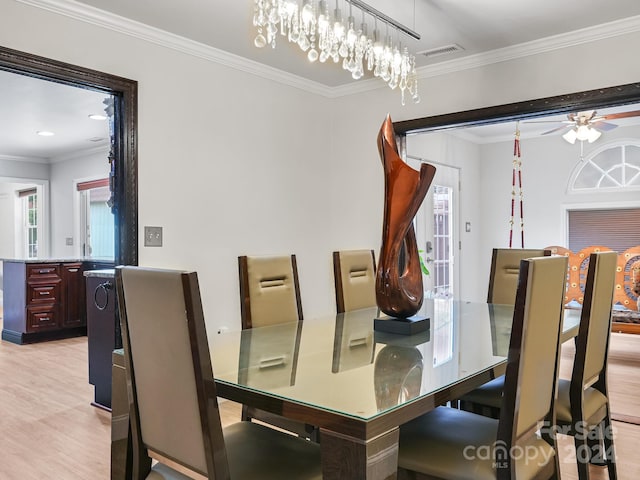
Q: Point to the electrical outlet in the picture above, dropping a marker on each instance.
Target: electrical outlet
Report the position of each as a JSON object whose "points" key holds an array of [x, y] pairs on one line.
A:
{"points": [[69, 241], [152, 236]]}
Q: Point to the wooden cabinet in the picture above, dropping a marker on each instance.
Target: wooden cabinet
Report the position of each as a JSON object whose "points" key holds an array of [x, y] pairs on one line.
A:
{"points": [[44, 286], [43, 300], [102, 332], [73, 289]]}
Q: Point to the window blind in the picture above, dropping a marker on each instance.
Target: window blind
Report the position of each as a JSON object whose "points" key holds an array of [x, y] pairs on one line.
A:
{"points": [[618, 229], [103, 182], [27, 192]]}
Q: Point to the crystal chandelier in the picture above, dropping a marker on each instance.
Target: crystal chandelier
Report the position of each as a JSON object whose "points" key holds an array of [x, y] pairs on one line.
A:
{"points": [[326, 35]]}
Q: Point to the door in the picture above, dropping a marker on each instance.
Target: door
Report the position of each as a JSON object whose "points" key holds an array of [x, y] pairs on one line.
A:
{"points": [[437, 232]]}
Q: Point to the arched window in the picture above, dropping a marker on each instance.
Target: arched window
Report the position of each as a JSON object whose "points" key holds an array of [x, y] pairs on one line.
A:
{"points": [[613, 166]]}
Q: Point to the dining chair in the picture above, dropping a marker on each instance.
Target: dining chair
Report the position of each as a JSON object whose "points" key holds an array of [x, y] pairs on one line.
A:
{"points": [[270, 295], [454, 444], [173, 403], [503, 283], [583, 401], [582, 406], [269, 290], [354, 273], [503, 276]]}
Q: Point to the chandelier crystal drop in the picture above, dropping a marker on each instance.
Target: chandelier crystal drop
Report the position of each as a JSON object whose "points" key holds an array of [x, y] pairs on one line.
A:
{"points": [[326, 35]]}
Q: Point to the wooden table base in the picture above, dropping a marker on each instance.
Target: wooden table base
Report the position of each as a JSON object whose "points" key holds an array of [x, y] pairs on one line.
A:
{"points": [[348, 457]]}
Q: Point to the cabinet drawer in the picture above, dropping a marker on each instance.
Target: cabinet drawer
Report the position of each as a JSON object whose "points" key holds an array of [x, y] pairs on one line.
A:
{"points": [[44, 272], [38, 293], [42, 318]]}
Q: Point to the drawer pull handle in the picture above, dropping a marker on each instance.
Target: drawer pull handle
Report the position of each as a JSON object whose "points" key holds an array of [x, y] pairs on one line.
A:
{"points": [[44, 319], [46, 270], [73, 270], [104, 287], [44, 292]]}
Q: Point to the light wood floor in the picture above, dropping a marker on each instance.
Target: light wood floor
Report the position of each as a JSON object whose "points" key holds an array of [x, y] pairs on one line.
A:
{"points": [[49, 430]]}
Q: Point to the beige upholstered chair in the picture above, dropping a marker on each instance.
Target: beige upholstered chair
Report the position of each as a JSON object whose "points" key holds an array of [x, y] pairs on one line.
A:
{"points": [[270, 295], [503, 277], [451, 443], [269, 290], [583, 401], [174, 409], [354, 274]]}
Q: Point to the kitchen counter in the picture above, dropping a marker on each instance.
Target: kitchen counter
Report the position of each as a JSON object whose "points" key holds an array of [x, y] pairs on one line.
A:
{"points": [[58, 260], [44, 298], [103, 273]]}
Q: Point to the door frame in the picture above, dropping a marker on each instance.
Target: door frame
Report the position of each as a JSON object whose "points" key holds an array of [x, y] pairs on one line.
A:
{"points": [[421, 216], [125, 93]]}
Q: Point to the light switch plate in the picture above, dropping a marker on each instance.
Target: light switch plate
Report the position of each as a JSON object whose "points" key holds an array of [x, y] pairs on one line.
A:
{"points": [[152, 236]]}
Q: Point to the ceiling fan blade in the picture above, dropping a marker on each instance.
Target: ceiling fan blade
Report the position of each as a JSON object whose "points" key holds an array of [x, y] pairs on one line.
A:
{"points": [[562, 127], [604, 126], [632, 113]]}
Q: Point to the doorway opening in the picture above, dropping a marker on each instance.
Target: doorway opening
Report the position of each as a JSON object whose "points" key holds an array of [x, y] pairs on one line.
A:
{"points": [[436, 225], [124, 181]]}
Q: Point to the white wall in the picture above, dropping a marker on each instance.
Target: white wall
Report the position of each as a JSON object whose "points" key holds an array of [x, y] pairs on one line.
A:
{"points": [[23, 169], [547, 166], [7, 214], [218, 166], [65, 173], [8, 205], [231, 163], [359, 116]]}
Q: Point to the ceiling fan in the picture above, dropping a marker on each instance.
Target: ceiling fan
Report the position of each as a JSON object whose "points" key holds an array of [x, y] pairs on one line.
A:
{"points": [[587, 125]]}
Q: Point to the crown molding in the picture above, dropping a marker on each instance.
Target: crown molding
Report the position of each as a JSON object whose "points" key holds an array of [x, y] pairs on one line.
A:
{"points": [[102, 149], [16, 158], [543, 45], [101, 18]]}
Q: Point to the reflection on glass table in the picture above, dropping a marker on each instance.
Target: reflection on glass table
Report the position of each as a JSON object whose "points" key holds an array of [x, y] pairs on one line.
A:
{"points": [[353, 341], [269, 356]]}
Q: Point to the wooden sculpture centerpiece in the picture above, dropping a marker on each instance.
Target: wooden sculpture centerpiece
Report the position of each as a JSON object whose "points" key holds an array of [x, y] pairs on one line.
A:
{"points": [[399, 291]]}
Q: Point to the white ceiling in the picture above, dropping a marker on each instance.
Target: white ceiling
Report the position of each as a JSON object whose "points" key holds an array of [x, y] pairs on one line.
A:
{"points": [[478, 26], [29, 105]]}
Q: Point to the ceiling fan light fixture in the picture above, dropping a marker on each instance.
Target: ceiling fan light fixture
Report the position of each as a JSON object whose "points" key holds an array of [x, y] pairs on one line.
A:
{"points": [[582, 133], [593, 135], [571, 136]]}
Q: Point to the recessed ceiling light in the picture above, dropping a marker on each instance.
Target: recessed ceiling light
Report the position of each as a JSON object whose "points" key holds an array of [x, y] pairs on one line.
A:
{"points": [[45, 133], [97, 116]]}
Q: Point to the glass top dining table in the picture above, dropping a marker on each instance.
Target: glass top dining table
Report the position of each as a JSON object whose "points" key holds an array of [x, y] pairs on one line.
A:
{"points": [[359, 385]]}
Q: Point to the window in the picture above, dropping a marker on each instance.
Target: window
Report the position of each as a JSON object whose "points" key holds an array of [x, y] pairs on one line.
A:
{"points": [[29, 200], [442, 199], [96, 219], [613, 166]]}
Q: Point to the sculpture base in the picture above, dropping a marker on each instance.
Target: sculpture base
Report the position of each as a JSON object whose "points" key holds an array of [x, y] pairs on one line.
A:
{"points": [[402, 340], [401, 326]]}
